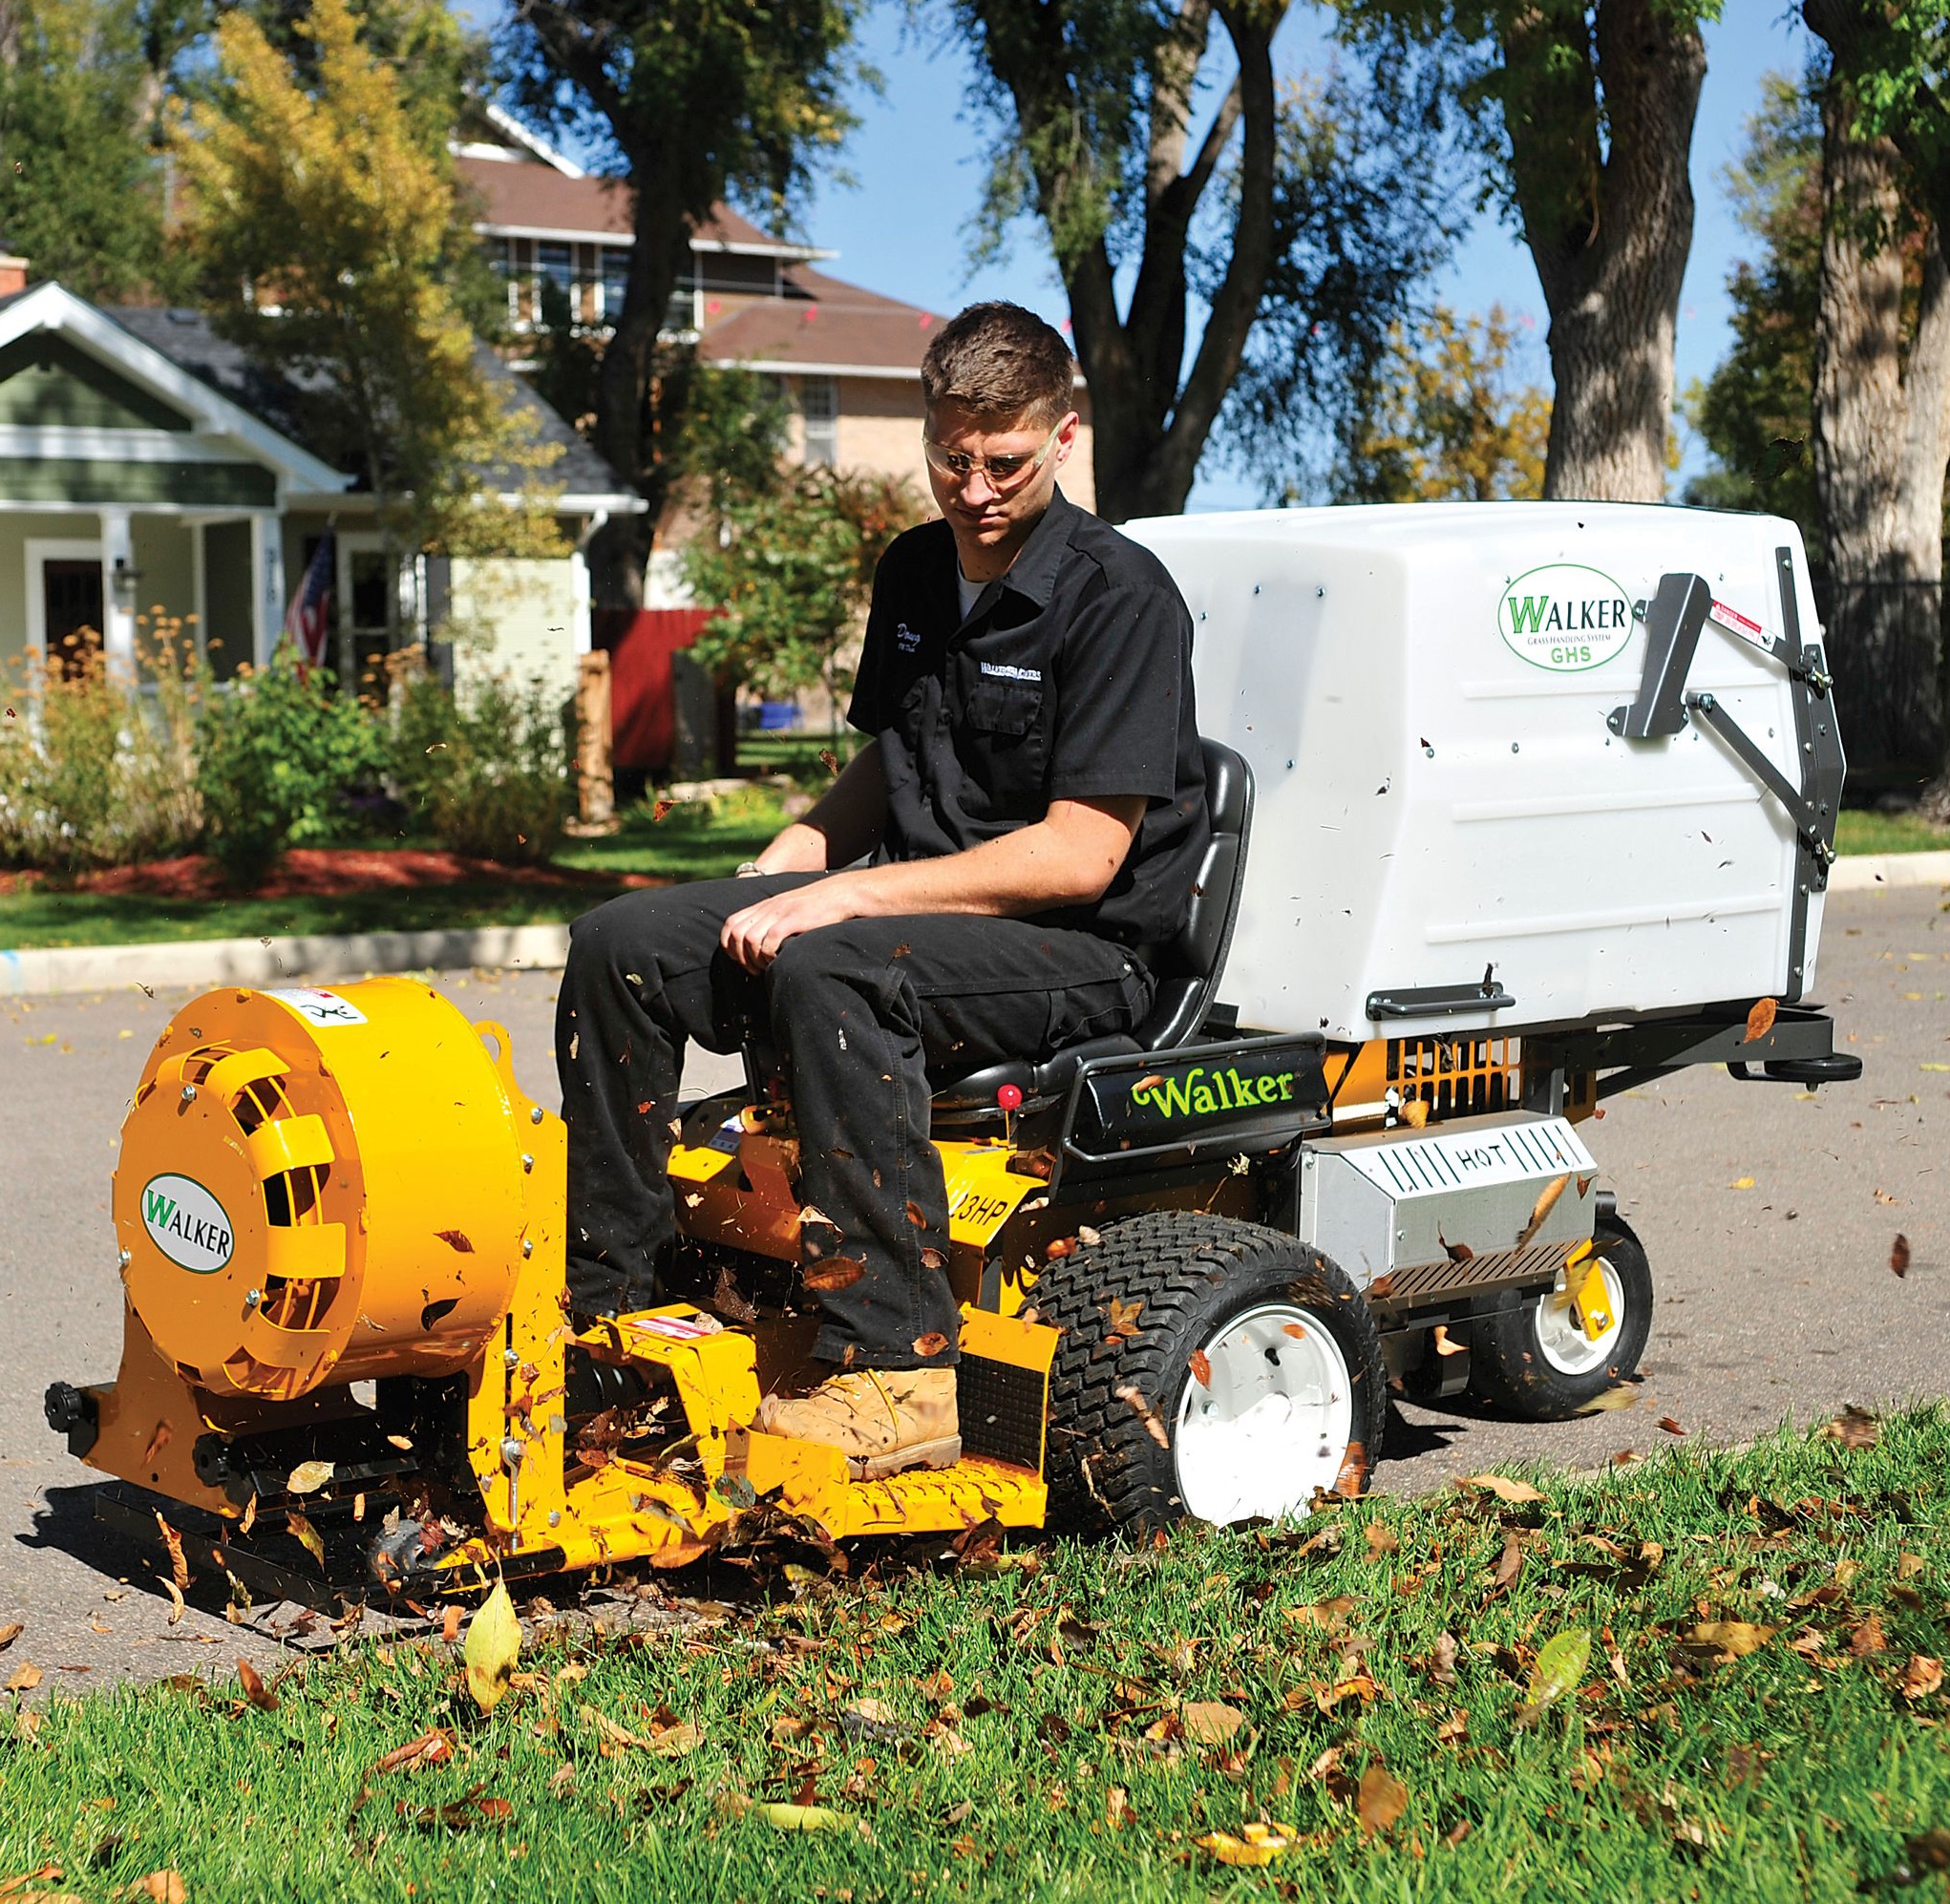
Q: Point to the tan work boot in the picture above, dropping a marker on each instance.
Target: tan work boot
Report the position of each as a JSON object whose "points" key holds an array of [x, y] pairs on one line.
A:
{"points": [[884, 1420]]}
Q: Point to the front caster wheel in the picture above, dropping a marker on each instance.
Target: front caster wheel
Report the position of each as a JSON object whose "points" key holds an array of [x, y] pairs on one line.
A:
{"points": [[1533, 1360], [1209, 1369]]}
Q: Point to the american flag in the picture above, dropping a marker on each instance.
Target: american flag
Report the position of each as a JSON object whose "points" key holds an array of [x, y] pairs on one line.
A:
{"points": [[308, 619]]}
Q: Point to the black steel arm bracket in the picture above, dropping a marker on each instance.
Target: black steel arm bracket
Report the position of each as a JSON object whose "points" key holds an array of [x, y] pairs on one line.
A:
{"points": [[1673, 620]]}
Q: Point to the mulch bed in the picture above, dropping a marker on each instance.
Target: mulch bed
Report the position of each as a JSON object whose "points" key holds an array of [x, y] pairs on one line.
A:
{"points": [[308, 872]]}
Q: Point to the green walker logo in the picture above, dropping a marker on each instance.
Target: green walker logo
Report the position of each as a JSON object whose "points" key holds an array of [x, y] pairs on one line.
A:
{"points": [[1564, 617], [186, 1223], [1200, 1093]]}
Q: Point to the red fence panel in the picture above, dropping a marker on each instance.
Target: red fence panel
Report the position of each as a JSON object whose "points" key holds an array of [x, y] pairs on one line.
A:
{"points": [[642, 706]]}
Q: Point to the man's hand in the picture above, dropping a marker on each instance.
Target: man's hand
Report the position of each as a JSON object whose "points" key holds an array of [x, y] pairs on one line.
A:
{"points": [[754, 936]]}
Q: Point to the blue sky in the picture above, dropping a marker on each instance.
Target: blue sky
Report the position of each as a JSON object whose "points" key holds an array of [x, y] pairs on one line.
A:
{"points": [[901, 228]]}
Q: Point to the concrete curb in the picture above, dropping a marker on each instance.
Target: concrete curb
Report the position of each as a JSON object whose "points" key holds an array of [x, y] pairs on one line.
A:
{"points": [[273, 962], [1863, 872]]}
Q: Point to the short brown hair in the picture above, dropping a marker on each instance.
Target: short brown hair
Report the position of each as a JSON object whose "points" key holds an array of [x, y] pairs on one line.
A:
{"points": [[1001, 361]]}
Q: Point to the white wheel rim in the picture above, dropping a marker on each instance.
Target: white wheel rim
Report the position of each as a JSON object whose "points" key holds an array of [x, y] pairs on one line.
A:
{"points": [[1565, 1347], [1272, 1423]]}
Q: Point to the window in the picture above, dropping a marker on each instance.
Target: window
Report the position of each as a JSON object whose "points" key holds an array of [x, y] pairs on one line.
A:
{"points": [[557, 262], [615, 281], [819, 411]]}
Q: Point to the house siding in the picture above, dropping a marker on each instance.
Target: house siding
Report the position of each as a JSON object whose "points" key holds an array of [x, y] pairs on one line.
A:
{"points": [[136, 485]]}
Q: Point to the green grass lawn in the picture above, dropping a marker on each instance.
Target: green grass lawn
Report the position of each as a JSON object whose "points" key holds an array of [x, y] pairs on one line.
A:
{"points": [[1858, 832], [1759, 1716]]}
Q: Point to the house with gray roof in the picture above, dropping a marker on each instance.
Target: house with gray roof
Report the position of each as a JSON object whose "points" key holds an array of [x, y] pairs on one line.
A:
{"points": [[150, 472]]}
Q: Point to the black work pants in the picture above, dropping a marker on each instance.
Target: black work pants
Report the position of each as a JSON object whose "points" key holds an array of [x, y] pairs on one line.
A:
{"points": [[861, 1013]]}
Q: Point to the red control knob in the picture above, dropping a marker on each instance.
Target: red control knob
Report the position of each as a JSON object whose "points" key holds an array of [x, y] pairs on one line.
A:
{"points": [[1009, 1097]]}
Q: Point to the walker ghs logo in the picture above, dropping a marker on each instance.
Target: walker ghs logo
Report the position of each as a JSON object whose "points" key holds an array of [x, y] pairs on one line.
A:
{"points": [[186, 1223], [1564, 617], [1195, 1095]]}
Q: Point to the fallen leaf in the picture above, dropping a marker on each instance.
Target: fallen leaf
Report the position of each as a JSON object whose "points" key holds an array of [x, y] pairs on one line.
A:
{"points": [[931, 1345], [305, 1535], [456, 1240], [1199, 1364], [308, 1476], [1381, 1800], [10, 1632], [1741, 1183], [25, 1676], [1730, 1638], [1508, 1564], [1442, 1659], [1899, 1254], [1560, 1668], [1760, 1019], [1208, 1723], [1516, 1492], [434, 1748], [493, 1645], [1921, 1677], [835, 1273], [1117, 1811], [163, 1886], [1382, 1541], [1256, 1845], [1868, 1638], [255, 1690], [801, 1817], [1133, 1397]]}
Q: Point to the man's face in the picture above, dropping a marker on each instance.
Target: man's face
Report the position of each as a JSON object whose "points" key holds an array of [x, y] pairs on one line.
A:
{"points": [[983, 510]]}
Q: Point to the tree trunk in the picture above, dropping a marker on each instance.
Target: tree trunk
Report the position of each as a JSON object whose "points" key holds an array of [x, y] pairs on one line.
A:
{"points": [[1609, 221], [1882, 436]]}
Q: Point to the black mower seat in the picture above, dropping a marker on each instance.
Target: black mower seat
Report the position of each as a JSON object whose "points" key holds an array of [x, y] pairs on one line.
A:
{"points": [[1187, 965]]}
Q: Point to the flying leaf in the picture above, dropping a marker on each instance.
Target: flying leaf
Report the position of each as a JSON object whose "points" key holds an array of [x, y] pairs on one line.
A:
{"points": [[1516, 1492], [916, 1214], [1670, 1426], [1352, 1477], [1133, 1397], [1730, 1638], [1899, 1254], [179, 1566], [931, 1345], [1855, 1427], [663, 809], [835, 1273], [450, 1622], [1257, 1843], [1200, 1366], [493, 1645], [1560, 1668], [1741, 1183], [1382, 1799], [1059, 1247], [932, 1259], [308, 1476], [1088, 1236], [1416, 1113], [176, 1600], [829, 760], [305, 1535], [456, 1240], [255, 1690], [1760, 1019], [10, 1632], [1546, 1202], [434, 1748], [1921, 1677], [1124, 1317], [1208, 1723]]}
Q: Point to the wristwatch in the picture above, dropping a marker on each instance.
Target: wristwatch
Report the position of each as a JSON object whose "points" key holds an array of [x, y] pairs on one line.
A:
{"points": [[746, 869]]}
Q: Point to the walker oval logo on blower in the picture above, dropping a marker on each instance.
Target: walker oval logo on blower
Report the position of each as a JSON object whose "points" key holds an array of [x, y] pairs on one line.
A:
{"points": [[187, 1224], [1564, 617]]}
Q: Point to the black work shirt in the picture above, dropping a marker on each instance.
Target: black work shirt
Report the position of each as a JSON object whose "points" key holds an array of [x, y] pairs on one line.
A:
{"points": [[1070, 679]]}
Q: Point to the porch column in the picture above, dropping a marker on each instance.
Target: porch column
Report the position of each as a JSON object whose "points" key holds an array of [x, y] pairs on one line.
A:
{"points": [[266, 585], [117, 603]]}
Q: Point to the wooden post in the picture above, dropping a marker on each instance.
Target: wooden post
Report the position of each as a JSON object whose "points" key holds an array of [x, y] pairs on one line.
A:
{"points": [[595, 789]]}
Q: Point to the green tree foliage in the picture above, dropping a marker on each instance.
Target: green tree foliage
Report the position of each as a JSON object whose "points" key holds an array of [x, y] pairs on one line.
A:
{"points": [[1448, 422], [81, 181], [1756, 411], [329, 241], [1895, 57], [1583, 111], [1297, 220], [790, 572], [694, 102]]}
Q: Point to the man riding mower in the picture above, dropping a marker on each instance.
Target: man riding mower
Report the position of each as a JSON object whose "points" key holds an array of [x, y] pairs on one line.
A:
{"points": [[1116, 1134]]}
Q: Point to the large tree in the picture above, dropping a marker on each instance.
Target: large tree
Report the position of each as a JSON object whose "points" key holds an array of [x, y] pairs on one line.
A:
{"points": [[1585, 111], [321, 213], [1153, 144], [1883, 359], [693, 101]]}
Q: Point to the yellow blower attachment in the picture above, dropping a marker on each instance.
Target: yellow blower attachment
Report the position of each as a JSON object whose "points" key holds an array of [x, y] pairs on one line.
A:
{"points": [[323, 1186]]}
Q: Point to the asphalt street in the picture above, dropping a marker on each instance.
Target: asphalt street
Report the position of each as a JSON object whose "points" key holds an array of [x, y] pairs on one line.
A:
{"points": [[1768, 1214]]}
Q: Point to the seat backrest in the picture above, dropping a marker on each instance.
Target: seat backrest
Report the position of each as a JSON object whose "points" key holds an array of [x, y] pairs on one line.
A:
{"points": [[1189, 965]]}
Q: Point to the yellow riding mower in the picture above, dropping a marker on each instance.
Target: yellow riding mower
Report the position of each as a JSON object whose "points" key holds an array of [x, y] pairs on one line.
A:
{"points": [[1191, 1263]]}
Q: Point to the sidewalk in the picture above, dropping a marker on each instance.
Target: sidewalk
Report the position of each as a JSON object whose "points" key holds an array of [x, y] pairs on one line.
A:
{"points": [[275, 961]]}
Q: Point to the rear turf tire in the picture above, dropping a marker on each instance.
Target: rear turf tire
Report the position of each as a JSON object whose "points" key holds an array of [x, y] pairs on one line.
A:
{"points": [[1530, 1360], [1298, 1396]]}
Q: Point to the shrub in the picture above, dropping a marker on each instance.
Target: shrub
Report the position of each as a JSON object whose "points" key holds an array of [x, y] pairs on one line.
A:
{"points": [[95, 774], [486, 771], [277, 754]]}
